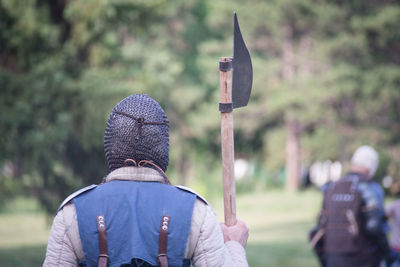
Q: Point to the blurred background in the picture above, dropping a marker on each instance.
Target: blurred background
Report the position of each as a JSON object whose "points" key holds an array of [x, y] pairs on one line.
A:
{"points": [[326, 80]]}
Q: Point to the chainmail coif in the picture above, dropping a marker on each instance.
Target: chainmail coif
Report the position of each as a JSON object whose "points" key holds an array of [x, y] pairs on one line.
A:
{"points": [[137, 129]]}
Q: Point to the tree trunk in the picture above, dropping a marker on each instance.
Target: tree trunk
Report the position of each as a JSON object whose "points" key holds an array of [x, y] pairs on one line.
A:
{"points": [[183, 168], [293, 162]]}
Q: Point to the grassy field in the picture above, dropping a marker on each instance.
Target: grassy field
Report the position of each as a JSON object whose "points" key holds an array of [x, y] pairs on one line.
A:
{"points": [[278, 223], [23, 238]]}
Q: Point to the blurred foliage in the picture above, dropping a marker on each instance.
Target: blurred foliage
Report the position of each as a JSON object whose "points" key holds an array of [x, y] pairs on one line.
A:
{"points": [[331, 66]]}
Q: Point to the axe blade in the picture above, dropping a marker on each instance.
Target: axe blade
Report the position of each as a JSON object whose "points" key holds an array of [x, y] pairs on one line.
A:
{"points": [[242, 68]]}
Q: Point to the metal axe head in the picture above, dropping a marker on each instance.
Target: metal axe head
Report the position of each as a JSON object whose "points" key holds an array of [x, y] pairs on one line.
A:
{"points": [[242, 68]]}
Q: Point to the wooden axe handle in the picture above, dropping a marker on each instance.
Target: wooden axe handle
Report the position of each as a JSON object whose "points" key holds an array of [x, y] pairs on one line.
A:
{"points": [[227, 147]]}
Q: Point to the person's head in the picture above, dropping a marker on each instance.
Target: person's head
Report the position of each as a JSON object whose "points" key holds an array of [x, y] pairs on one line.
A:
{"points": [[137, 129], [365, 160]]}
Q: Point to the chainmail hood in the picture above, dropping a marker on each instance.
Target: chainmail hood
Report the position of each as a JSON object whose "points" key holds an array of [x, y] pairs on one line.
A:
{"points": [[137, 129]]}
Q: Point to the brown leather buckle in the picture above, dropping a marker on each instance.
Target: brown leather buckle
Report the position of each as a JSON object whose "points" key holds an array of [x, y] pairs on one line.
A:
{"points": [[103, 255]]}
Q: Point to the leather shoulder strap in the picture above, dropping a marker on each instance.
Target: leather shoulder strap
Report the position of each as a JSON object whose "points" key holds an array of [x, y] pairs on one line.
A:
{"points": [[75, 194], [187, 189], [163, 240], [103, 251]]}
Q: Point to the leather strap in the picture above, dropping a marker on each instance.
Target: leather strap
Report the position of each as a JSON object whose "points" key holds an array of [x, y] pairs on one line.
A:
{"points": [[225, 107], [103, 253], [162, 241], [225, 65]]}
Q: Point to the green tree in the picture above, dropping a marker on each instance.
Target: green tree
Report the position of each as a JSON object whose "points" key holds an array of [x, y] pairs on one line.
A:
{"points": [[62, 68]]}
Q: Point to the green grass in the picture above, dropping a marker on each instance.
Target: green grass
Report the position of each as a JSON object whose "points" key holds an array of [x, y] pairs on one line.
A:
{"points": [[23, 238], [22, 256], [278, 222]]}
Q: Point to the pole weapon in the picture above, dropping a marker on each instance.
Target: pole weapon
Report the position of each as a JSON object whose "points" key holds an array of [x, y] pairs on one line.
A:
{"points": [[234, 93]]}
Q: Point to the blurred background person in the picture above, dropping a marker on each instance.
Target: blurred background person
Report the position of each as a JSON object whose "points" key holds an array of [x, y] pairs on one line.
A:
{"points": [[351, 228]]}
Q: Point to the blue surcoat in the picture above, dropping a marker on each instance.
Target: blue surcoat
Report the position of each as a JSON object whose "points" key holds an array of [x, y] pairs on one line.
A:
{"points": [[133, 212]]}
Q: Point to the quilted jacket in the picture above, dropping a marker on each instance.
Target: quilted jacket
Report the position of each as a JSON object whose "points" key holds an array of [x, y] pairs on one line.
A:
{"points": [[205, 246]]}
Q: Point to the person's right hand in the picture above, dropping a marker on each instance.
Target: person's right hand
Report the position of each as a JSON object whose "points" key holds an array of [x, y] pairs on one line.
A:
{"points": [[238, 232]]}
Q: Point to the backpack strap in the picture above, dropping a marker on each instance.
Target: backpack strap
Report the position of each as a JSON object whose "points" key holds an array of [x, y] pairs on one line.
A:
{"points": [[162, 241], [103, 252]]}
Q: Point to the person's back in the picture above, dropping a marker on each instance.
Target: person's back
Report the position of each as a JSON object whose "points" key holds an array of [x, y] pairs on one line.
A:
{"points": [[352, 216], [348, 240], [133, 212], [343, 203], [136, 217]]}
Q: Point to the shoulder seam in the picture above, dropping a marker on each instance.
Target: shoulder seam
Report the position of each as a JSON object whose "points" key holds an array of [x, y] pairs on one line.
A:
{"points": [[75, 194], [187, 189]]}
